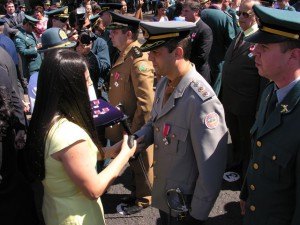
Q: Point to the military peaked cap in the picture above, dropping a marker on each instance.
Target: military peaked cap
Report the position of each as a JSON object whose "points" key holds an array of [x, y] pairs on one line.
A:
{"points": [[158, 34], [275, 25]]}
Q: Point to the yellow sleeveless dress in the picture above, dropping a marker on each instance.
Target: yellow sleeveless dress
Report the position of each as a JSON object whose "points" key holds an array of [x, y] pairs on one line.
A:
{"points": [[64, 203]]}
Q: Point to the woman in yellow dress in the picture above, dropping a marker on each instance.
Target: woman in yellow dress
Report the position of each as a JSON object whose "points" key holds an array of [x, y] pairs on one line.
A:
{"points": [[64, 147]]}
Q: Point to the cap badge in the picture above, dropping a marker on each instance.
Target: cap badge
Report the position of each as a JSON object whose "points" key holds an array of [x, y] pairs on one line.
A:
{"points": [[62, 35]]}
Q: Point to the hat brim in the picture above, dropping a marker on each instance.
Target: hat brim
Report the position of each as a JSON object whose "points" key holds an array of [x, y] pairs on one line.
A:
{"points": [[68, 44], [262, 37]]}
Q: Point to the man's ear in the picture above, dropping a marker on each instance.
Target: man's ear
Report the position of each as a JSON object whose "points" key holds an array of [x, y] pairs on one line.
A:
{"points": [[179, 52], [295, 55], [129, 34]]}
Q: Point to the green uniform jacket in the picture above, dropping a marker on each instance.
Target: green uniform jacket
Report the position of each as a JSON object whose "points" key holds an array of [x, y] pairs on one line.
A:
{"points": [[26, 47], [272, 185], [221, 25]]}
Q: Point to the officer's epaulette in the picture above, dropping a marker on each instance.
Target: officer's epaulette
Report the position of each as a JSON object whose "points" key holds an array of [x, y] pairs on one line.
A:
{"points": [[200, 89], [136, 52], [227, 13]]}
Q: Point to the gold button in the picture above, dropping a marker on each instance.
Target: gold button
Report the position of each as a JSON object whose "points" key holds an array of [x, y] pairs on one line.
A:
{"points": [[274, 157], [258, 144], [154, 177], [255, 166], [252, 187], [155, 146], [173, 136], [252, 208], [156, 129], [205, 94]]}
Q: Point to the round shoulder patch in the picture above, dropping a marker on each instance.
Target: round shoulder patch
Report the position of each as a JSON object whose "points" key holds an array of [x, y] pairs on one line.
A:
{"points": [[212, 120], [143, 67]]}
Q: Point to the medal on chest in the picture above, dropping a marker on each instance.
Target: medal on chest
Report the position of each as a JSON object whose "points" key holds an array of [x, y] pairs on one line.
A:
{"points": [[166, 132], [116, 78]]}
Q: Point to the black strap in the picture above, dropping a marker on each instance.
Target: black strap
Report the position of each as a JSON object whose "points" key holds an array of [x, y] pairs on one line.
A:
{"points": [[0, 158]]}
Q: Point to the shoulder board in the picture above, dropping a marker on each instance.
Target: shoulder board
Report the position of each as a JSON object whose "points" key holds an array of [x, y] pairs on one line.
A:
{"points": [[136, 52], [201, 90], [227, 13]]}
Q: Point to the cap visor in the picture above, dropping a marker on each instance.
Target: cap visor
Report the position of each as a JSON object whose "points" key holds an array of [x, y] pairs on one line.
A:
{"points": [[66, 45], [262, 37]]}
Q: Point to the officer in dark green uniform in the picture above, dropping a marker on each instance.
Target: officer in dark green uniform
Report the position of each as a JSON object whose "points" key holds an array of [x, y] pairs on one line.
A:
{"points": [[271, 191], [26, 45], [221, 24]]}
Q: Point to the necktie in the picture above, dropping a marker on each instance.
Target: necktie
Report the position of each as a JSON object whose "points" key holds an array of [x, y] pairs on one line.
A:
{"points": [[272, 104], [239, 42]]}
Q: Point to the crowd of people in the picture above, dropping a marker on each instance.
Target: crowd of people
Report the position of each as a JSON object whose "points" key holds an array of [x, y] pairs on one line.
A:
{"points": [[212, 86]]}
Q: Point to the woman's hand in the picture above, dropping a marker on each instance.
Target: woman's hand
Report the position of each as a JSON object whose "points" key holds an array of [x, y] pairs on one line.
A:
{"points": [[112, 151], [125, 148]]}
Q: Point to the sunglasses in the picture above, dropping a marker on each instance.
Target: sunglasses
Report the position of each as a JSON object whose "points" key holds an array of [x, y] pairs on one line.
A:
{"points": [[245, 14]]}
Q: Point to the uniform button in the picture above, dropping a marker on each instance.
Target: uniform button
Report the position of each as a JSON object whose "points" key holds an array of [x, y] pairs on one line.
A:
{"points": [[109, 88], [255, 166], [154, 162], [154, 177], [252, 187], [258, 144], [155, 146], [274, 157], [252, 208], [173, 136], [156, 129]]}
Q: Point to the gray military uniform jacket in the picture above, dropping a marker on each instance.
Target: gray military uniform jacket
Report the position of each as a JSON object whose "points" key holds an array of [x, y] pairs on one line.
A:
{"points": [[195, 157]]}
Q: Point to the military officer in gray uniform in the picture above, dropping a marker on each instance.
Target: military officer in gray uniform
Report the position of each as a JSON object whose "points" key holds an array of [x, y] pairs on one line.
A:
{"points": [[27, 46], [187, 128], [271, 191]]}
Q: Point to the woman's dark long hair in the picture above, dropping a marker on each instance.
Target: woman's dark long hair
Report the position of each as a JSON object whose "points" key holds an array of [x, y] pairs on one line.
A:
{"points": [[61, 93]]}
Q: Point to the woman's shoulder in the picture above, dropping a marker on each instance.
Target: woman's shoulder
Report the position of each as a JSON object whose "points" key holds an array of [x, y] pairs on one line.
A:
{"points": [[63, 134]]}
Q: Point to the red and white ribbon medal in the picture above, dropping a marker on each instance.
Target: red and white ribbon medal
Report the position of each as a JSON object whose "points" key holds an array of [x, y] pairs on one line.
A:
{"points": [[167, 128], [116, 78]]}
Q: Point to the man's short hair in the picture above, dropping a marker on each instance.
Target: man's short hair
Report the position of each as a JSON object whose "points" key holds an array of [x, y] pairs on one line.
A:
{"points": [[194, 5], [134, 30], [289, 45], [9, 2], [184, 43]]}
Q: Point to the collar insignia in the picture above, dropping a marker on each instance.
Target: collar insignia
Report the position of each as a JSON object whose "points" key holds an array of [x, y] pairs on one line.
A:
{"points": [[284, 109]]}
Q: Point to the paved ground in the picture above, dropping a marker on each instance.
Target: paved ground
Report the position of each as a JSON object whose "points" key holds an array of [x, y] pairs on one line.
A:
{"points": [[225, 212]]}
